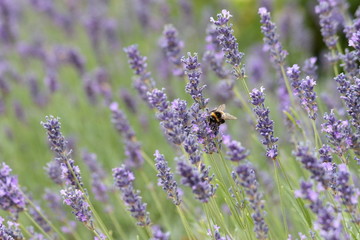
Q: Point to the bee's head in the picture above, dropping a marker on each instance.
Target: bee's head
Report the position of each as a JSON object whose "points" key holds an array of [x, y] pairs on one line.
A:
{"points": [[218, 114]]}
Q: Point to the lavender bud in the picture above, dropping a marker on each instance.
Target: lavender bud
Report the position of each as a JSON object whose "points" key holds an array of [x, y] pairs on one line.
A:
{"points": [[11, 197], [172, 47], [158, 234], [166, 179], [198, 180], [247, 179], [310, 67], [236, 151], [308, 97], [132, 146], [37, 214], [54, 172], [193, 72], [124, 181], [328, 23], [75, 199], [264, 125], [271, 38], [226, 38], [11, 231], [325, 153]]}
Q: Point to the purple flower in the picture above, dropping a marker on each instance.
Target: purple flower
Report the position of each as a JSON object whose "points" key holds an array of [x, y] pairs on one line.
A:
{"points": [[37, 214], [355, 41], [338, 133], [217, 235], [348, 194], [172, 47], [192, 87], [328, 23], [310, 68], [11, 197], [192, 148], [129, 100], [325, 153], [98, 175], [69, 171], [143, 83], [308, 97], [11, 231], [271, 38], [133, 153], [236, 152], [328, 222], [352, 101], [124, 181], [54, 202], [75, 199], [71, 56], [247, 179], [198, 180], [166, 178], [227, 39], [158, 99], [54, 172], [264, 125], [158, 233], [319, 171], [293, 74], [349, 64]]}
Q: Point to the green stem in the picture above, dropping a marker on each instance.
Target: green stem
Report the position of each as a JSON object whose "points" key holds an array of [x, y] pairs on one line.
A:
{"points": [[185, 224], [44, 217], [117, 226], [157, 200], [37, 225], [281, 199]]}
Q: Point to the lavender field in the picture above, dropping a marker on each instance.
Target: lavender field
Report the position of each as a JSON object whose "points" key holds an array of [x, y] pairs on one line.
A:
{"points": [[183, 120]]}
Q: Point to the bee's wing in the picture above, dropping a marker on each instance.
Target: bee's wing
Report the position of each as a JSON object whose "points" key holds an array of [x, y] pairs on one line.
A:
{"points": [[227, 116], [221, 108]]}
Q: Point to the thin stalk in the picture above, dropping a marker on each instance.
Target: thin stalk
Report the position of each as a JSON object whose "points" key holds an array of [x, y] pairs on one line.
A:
{"points": [[287, 84], [148, 160], [281, 199], [96, 216], [117, 226], [44, 217], [157, 200], [185, 224], [37, 225], [316, 135]]}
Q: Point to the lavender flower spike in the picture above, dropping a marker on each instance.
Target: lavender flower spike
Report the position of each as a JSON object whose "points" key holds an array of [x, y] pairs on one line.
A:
{"points": [[124, 181], [236, 151], [75, 199], [328, 22], [143, 83], [197, 180], [271, 38], [308, 97], [70, 172], [132, 146], [11, 231], [192, 87], [11, 197], [172, 46], [247, 179], [264, 125], [227, 39], [158, 233], [166, 178]]}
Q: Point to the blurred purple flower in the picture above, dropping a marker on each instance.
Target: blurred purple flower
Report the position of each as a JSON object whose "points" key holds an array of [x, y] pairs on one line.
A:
{"points": [[54, 202], [265, 126], [325, 153], [310, 68], [328, 221], [143, 83], [124, 181], [11, 231], [37, 215], [349, 64], [172, 46], [236, 152], [11, 197], [247, 179], [271, 38], [348, 194], [158, 234], [166, 179], [192, 149], [133, 153], [319, 170], [129, 100], [198, 180], [328, 23], [54, 172], [338, 133], [308, 97]]}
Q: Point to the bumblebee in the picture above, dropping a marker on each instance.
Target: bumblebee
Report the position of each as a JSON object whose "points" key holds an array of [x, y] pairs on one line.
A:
{"points": [[218, 116]]}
